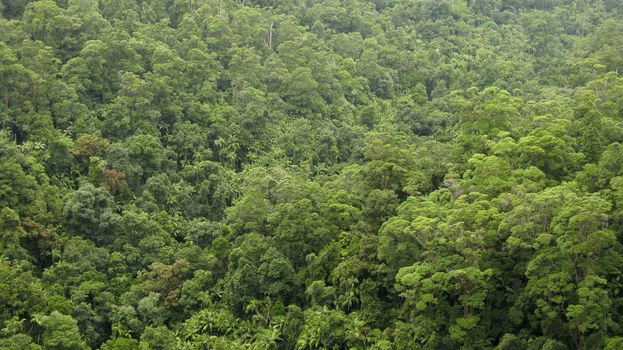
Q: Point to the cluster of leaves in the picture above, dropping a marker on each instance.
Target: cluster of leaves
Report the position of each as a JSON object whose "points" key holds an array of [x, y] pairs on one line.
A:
{"points": [[357, 174]]}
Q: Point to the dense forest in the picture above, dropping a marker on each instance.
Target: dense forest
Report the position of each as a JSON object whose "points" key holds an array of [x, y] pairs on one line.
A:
{"points": [[311, 174]]}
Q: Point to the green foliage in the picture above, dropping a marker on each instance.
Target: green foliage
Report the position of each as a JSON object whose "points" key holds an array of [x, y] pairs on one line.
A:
{"points": [[61, 332], [355, 174]]}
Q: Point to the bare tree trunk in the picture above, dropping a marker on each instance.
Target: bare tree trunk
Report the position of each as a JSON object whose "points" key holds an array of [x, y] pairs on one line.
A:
{"points": [[270, 35]]}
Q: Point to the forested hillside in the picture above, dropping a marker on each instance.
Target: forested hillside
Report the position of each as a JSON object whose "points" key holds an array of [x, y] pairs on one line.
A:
{"points": [[311, 174]]}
